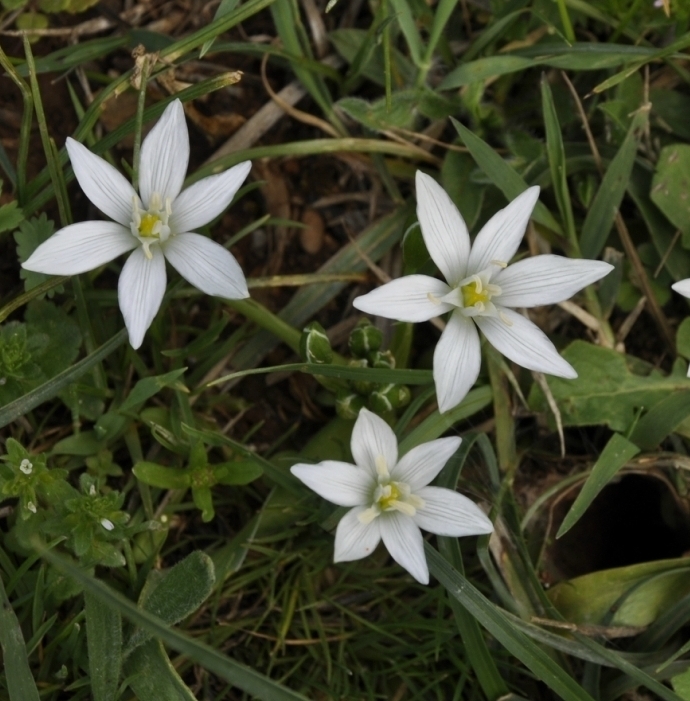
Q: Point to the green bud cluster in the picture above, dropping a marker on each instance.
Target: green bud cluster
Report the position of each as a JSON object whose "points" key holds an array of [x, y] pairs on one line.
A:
{"points": [[314, 346], [365, 345]]}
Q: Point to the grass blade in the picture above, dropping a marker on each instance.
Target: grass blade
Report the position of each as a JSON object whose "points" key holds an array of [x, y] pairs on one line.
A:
{"points": [[502, 175], [616, 453], [492, 618], [20, 681]]}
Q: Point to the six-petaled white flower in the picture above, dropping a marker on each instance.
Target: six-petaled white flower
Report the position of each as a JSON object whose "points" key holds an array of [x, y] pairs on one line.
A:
{"points": [[390, 498], [481, 289], [157, 225]]}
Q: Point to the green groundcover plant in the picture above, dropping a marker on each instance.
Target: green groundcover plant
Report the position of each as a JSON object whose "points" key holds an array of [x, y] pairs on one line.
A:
{"points": [[217, 487]]}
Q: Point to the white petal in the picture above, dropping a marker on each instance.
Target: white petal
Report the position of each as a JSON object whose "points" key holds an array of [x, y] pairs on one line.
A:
{"points": [[404, 542], [682, 287], [524, 343], [140, 291], [446, 512], [206, 265], [354, 539], [164, 156], [338, 482], [444, 230], [81, 247], [409, 298], [200, 203], [546, 280], [104, 185], [500, 237], [421, 465], [373, 438], [457, 360]]}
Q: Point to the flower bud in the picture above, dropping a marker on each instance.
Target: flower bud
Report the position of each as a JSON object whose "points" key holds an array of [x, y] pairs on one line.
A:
{"points": [[314, 345], [348, 404], [388, 398], [364, 339], [360, 386], [382, 359]]}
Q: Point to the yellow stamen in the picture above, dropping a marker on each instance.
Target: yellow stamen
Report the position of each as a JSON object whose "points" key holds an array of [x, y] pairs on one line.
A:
{"points": [[148, 225], [474, 294]]}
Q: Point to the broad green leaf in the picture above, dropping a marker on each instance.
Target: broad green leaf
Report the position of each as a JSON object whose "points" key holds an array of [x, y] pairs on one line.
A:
{"points": [[616, 454], [162, 477], [623, 596], [104, 641], [237, 472], [18, 676], [671, 187], [175, 594], [602, 211], [10, 216], [377, 116], [673, 108], [681, 685], [608, 389], [237, 674], [153, 678], [502, 175], [484, 68], [30, 235], [146, 388]]}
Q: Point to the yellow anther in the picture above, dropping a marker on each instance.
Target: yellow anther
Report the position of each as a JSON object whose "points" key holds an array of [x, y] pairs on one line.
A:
{"points": [[474, 294], [382, 467], [147, 227]]}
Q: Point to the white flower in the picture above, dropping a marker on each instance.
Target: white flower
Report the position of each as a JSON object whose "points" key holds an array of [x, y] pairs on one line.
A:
{"points": [[158, 225], [391, 500], [481, 289]]}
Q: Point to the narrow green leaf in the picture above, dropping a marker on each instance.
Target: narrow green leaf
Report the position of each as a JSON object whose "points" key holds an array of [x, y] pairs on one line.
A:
{"points": [[20, 681], [104, 641], [341, 372], [437, 424], [52, 387], [666, 52], [492, 618], [556, 155], [602, 211], [403, 10], [225, 7], [241, 676], [616, 453], [146, 388], [661, 420], [502, 175]]}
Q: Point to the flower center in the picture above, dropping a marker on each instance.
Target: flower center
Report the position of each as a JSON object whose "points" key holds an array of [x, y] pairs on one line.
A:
{"points": [[473, 295], [151, 226], [390, 496]]}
